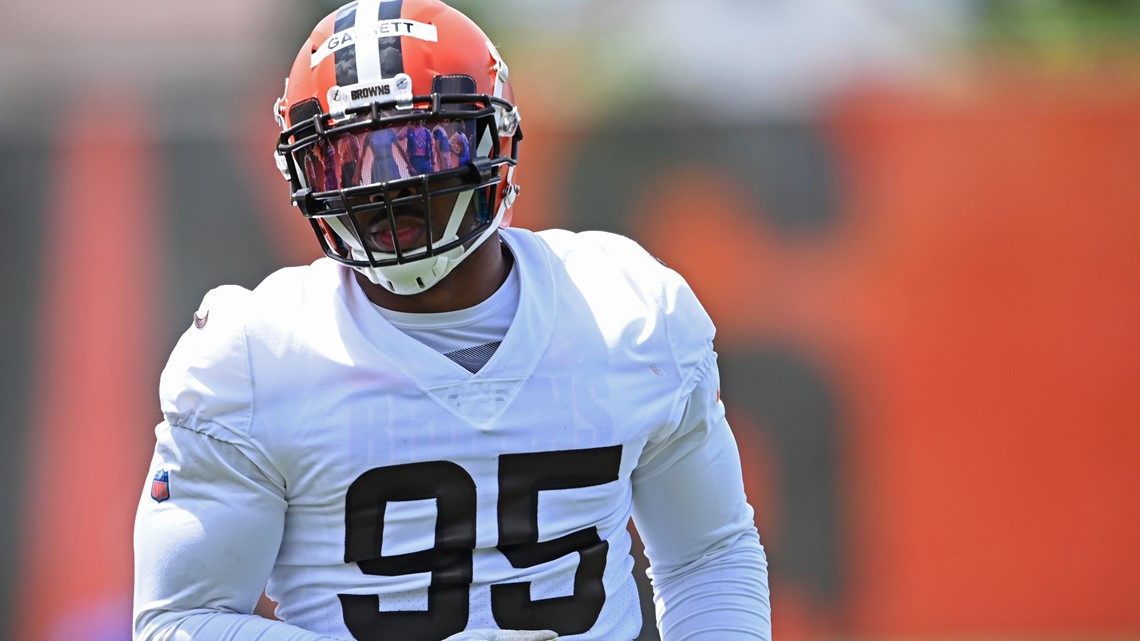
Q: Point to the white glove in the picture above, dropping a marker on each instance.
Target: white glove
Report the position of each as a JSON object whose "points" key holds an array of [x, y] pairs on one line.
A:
{"points": [[504, 635]]}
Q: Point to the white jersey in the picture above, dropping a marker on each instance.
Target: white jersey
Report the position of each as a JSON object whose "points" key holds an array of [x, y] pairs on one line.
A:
{"points": [[387, 493]]}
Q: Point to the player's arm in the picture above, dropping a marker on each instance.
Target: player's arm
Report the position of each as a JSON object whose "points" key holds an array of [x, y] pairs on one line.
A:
{"points": [[203, 555], [710, 574], [709, 571]]}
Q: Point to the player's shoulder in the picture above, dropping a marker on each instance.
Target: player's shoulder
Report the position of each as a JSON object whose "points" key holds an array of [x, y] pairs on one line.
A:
{"points": [[216, 326], [608, 257], [610, 268], [613, 258], [297, 287], [231, 315], [595, 245], [207, 376]]}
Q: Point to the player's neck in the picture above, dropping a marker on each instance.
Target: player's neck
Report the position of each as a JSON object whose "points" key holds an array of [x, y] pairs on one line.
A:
{"points": [[470, 283]]}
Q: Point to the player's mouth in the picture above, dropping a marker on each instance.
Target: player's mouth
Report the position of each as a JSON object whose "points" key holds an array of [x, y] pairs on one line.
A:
{"points": [[409, 233]]}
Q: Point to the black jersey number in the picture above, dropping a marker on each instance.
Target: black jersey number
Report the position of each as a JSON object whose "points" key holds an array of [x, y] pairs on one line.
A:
{"points": [[521, 478]]}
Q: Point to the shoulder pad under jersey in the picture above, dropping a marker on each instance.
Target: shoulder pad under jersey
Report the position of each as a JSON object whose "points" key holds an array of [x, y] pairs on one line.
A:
{"points": [[206, 381]]}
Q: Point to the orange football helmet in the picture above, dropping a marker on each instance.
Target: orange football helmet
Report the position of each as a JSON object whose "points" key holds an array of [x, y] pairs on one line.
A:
{"points": [[389, 104]]}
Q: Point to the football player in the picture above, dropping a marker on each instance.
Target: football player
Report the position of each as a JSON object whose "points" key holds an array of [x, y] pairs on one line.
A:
{"points": [[442, 429]]}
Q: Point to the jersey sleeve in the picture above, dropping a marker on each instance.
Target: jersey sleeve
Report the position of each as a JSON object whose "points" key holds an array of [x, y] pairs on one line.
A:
{"points": [[210, 520], [203, 555], [709, 571]]}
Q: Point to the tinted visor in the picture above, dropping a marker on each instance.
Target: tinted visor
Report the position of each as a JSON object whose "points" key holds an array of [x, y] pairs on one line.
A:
{"points": [[387, 154]]}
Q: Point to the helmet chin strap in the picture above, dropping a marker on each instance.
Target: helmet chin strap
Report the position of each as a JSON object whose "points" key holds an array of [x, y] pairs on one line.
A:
{"points": [[419, 275]]}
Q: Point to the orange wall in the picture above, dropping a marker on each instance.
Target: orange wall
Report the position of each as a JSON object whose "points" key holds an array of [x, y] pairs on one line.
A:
{"points": [[977, 305], [995, 361]]}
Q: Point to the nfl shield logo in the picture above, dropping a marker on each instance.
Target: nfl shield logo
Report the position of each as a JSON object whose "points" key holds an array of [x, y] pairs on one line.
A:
{"points": [[160, 486]]}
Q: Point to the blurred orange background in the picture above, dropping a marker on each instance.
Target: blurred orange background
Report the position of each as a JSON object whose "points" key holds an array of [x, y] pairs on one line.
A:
{"points": [[916, 227]]}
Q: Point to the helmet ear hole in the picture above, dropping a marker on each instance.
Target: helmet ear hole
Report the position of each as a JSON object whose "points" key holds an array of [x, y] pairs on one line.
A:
{"points": [[454, 83], [304, 110]]}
